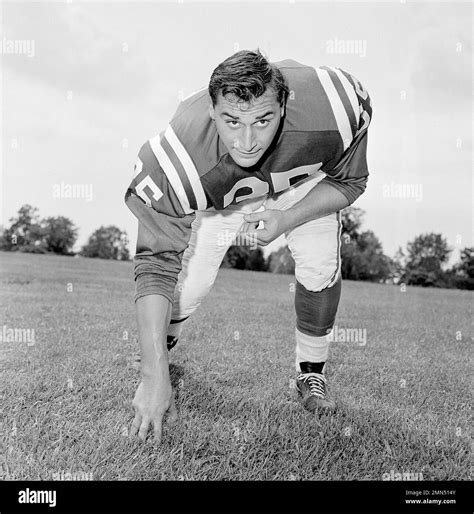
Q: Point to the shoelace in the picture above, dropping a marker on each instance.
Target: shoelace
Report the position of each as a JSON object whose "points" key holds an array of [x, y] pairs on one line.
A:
{"points": [[316, 382]]}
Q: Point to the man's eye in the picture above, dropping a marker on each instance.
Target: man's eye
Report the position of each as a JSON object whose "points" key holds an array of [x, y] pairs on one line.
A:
{"points": [[263, 123], [232, 123]]}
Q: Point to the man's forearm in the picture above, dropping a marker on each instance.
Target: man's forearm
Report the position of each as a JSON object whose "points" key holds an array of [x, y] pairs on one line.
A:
{"points": [[153, 316], [321, 201]]}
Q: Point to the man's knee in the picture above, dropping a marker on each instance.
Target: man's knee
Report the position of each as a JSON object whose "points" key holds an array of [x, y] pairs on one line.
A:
{"points": [[323, 277], [316, 310], [315, 246], [188, 297]]}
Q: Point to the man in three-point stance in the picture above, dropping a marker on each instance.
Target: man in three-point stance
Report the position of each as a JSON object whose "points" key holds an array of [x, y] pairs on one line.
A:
{"points": [[279, 143]]}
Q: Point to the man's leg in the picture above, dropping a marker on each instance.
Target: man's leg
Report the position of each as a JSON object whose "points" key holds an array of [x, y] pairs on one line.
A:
{"points": [[212, 234], [315, 246]]}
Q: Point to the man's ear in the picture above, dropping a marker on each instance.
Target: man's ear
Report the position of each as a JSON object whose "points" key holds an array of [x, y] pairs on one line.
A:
{"points": [[212, 113]]}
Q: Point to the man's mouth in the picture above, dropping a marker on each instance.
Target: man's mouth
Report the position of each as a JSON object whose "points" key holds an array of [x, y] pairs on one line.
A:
{"points": [[248, 154]]}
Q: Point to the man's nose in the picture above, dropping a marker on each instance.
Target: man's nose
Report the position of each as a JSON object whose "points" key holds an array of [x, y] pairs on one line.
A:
{"points": [[247, 142]]}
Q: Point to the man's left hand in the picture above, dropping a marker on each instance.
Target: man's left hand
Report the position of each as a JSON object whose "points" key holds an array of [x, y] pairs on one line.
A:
{"points": [[274, 224]]}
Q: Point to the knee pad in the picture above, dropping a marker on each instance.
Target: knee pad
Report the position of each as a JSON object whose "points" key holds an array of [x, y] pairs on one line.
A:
{"points": [[316, 310]]}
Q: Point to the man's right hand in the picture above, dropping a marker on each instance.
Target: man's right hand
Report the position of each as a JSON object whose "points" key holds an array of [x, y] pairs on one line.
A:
{"points": [[154, 398]]}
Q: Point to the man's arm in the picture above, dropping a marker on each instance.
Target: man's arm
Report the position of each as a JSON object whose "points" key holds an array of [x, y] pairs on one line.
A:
{"points": [[153, 316], [154, 396], [321, 201], [164, 230], [161, 242]]}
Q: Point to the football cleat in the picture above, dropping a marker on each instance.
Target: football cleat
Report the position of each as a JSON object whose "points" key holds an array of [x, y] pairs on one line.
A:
{"points": [[312, 387]]}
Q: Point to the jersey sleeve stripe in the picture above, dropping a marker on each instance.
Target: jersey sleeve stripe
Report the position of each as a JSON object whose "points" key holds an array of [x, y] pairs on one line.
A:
{"points": [[181, 173], [340, 113], [171, 173], [188, 166], [351, 95], [344, 98], [362, 94]]}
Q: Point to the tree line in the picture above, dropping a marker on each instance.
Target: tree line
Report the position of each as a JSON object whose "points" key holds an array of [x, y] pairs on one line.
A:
{"points": [[57, 235], [424, 262]]}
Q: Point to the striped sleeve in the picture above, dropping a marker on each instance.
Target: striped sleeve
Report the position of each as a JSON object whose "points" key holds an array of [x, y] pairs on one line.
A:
{"points": [[164, 227], [180, 170], [352, 109]]}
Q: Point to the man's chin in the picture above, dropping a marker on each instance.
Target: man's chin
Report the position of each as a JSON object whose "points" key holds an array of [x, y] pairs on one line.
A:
{"points": [[247, 164]]}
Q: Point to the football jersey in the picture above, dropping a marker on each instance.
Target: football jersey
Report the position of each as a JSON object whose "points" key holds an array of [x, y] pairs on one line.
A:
{"points": [[187, 167]]}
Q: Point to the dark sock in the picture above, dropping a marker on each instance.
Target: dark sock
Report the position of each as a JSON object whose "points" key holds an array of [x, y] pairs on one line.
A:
{"points": [[171, 341], [311, 367]]}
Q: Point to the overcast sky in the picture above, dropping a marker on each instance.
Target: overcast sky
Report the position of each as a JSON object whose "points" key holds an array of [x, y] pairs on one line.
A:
{"points": [[93, 81]]}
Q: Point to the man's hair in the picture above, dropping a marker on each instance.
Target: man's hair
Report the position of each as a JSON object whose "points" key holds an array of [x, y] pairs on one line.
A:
{"points": [[247, 75]]}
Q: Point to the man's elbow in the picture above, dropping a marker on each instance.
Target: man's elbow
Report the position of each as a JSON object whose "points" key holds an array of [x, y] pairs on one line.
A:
{"points": [[355, 191], [351, 189]]}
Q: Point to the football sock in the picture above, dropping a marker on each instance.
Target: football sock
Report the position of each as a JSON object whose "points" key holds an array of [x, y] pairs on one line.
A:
{"points": [[312, 367], [310, 348], [171, 341]]}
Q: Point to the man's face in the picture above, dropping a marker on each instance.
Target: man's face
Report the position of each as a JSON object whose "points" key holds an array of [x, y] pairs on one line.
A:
{"points": [[247, 129]]}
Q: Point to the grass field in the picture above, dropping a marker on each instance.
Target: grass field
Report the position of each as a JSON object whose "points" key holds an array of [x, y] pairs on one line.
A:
{"points": [[403, 397]]}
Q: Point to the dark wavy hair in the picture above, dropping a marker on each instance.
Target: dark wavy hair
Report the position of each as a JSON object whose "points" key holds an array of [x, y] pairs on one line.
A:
{"points": [[247, 75]]}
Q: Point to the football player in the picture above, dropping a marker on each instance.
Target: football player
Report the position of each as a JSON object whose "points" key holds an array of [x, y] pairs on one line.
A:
{"points": [[266, 149]]}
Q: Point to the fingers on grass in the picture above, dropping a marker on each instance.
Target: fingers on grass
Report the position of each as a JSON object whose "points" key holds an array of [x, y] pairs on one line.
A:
{"points": [[145, 424], [135, 425], [157, 430], [172, 416], [157, 426]]}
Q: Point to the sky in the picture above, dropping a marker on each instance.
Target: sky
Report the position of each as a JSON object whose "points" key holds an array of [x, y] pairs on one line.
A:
{"points": [[85, 84]]}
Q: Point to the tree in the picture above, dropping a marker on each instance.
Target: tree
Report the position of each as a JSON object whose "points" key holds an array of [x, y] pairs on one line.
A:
{"points": [[466, 266], [256, 260], [462, 273], [59, 234], [281, 261], [107, 243], [397, 266], [25, 233], [426, 255], [244, 257], [361, 252], [352, 219], [363, 258]]}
